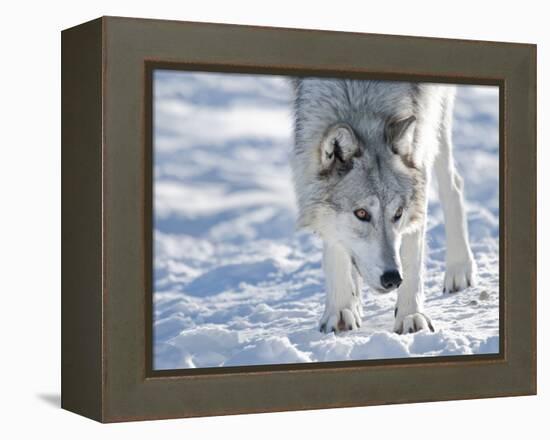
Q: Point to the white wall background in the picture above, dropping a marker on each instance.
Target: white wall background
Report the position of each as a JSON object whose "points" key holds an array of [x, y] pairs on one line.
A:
{"points": [[30, 219]]}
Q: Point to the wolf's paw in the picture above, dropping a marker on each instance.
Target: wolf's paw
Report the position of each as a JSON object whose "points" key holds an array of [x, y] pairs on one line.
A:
{"points": [[412, 323], [460, 275], [347, 318]]}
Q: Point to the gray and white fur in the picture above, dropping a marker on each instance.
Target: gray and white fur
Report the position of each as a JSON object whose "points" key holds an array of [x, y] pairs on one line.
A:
{"points": [[362, 160]]}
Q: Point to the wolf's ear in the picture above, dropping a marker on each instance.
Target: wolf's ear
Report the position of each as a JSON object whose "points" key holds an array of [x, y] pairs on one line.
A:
{"points": [[339, 144], [399, 134]]}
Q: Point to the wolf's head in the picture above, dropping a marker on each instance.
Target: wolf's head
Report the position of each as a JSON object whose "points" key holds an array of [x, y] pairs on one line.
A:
{"points": [[357, 179]]}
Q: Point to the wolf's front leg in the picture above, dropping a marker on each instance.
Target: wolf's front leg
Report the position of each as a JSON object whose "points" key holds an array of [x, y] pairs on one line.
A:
{"points": [[409, 310], [343, 308]]}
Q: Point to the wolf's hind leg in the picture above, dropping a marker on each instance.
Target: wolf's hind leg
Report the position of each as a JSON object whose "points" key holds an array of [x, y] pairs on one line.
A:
{"points": [[460, 270], [343, 308]]}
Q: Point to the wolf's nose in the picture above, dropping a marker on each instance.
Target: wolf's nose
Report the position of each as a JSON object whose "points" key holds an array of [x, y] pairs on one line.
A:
{"points": [[391, 279]]}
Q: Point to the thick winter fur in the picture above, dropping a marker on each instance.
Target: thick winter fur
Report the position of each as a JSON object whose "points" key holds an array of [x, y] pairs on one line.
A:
{"points": [[362, 160]]}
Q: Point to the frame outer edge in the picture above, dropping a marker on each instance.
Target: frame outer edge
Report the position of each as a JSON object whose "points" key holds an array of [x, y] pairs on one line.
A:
{"points": [[533, 49], [81, 216]]}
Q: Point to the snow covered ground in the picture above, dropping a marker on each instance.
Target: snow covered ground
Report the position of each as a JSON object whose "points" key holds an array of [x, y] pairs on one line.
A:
{"points": [[235, 284]]}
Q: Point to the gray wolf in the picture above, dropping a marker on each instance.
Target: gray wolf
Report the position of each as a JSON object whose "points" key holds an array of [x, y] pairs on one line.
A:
{"points": [[362, 161]]}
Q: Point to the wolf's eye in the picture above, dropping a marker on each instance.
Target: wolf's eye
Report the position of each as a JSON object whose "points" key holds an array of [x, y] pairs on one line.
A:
{"points": [[398, 214], [362, 214]]}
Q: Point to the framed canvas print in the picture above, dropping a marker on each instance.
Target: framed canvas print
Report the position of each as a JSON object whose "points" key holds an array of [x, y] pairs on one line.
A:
{"points": [[263, 219]]}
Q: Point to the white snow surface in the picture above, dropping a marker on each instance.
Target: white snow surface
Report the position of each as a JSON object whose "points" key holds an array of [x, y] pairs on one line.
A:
{"points": [[236, 284]]}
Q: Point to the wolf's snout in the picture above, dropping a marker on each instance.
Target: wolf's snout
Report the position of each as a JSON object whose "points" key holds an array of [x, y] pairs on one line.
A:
{"points": [[391, 279]]}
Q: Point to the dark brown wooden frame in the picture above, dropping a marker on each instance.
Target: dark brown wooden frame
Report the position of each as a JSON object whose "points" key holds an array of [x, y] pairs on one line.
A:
{"points": [[106, 219]]}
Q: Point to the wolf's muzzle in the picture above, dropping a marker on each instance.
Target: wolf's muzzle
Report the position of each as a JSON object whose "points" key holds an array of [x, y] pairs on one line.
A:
{"points": [[391, 279]]}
